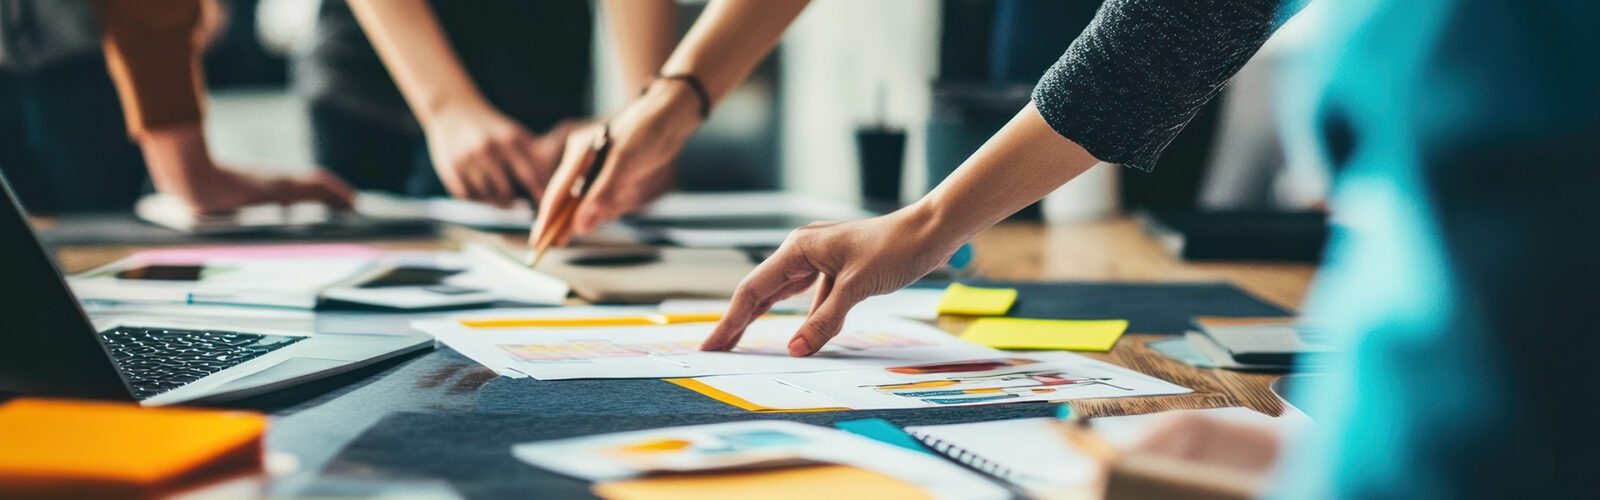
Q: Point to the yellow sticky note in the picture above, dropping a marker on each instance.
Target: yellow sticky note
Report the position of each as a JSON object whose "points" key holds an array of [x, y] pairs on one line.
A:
{"points": [[974, 301], [1071, 335]]}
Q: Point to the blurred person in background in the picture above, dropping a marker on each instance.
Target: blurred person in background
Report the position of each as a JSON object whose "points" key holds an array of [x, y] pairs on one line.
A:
{"points": [[478, 97], [64, 139]]}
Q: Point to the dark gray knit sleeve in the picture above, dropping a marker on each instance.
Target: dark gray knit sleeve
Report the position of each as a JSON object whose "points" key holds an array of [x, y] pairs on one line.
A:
{"points": [[1143, 68]]}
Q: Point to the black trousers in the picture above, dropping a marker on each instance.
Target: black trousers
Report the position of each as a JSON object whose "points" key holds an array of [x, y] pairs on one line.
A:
{"points": [[64, 146]]}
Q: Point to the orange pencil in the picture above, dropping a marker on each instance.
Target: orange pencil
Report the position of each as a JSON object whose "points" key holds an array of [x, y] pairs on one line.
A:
{"points": [[562, 222]]}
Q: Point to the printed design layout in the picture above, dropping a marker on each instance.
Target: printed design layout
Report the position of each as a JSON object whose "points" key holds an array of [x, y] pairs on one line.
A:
{"points": [[586, 351], [976, 388], [715, 443]]}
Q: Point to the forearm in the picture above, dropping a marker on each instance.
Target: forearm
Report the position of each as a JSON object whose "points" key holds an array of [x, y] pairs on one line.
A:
{"points": [[154, 59], [412, 44], [1022, 163], [178, 159], [729, 39], [644, 32]]}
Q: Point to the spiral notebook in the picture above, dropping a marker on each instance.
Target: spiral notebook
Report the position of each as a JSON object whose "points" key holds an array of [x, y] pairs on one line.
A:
{"points": [[1032, 454]]}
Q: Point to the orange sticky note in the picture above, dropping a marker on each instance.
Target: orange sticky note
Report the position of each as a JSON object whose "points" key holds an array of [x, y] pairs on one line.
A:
{"points": [[836, 482], [60, 446], [975, 301]]}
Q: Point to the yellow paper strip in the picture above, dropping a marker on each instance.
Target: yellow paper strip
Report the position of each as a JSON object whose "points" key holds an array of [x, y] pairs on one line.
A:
{"points": [[736, 401], [974, 301], [1019, 333]]}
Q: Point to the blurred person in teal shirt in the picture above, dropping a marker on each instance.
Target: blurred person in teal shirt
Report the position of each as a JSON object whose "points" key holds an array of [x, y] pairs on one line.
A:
{"points": [[1462, 268]]}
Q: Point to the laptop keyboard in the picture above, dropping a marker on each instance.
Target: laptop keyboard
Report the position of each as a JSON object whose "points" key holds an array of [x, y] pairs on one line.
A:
{"points": [[157, 360]]}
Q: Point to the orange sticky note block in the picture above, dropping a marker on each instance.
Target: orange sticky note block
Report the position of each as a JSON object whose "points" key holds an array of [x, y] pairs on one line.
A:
{"points": [[835, 482], [55, 446], [1071, 335], [974, 301]]}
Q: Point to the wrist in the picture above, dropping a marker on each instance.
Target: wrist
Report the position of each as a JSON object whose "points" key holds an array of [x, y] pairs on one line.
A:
{"points": [[934, 225], [676, 100], [177, 157], [444, 108]]}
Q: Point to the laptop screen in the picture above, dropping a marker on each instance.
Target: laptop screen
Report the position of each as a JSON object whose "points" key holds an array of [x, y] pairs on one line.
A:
{"points": [[48, 347]]}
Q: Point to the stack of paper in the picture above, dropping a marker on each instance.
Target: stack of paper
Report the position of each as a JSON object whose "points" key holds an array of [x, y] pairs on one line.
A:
{"points": [[1043, 377], [670, 351], [729, 220], [304, 276], [880, 360], [1271, 345]]}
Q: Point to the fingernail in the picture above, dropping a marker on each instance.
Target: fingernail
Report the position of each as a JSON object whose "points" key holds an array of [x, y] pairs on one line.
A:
{"points": [[799, 347]]}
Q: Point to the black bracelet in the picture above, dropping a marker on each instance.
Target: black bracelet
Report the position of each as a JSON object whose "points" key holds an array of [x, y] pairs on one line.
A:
{"points": [[694, 84]]}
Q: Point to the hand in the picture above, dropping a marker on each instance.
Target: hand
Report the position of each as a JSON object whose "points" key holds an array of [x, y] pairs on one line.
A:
{"points": [[646, 137], [482, 155], [849, 260], [1198, 439], [180, 165]]}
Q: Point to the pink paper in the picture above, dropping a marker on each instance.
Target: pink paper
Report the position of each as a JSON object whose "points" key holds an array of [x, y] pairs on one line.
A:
{"points": [[199, 255]]}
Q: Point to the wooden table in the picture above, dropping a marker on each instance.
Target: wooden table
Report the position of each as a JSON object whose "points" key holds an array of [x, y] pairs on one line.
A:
{"points": [[1114, 250], [1118, 250]]}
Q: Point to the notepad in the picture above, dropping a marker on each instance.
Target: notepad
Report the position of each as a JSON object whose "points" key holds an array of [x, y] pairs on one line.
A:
{"points": [[1071, 335], [59, 447], [974, 301]]}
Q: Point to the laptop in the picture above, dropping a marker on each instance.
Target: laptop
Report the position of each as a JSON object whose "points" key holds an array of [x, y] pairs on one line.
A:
{"points": [[52, 348]]}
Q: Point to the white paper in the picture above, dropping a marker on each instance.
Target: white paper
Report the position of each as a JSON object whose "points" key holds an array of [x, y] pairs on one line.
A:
{"points": [[514, 279], [1013, 378], [470, 343], [691, 206], [292, 282], [484, 276], [733, 446], [170, 211], [909, 303], [517, 217], [1040, 460], [670, 351]]}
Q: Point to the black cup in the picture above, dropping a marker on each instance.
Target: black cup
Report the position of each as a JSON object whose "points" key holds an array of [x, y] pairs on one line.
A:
{"points": [[882, 152]]}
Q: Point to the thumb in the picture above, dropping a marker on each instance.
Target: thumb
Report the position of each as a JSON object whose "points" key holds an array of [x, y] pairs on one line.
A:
{"points": [[557, 196], [826, 319]]}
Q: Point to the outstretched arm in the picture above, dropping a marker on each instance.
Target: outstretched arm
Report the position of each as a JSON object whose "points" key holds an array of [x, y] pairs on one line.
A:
{"points": [[153, 54], [644, 32], [479, 153], [1120, 93], [722, 48], [859, 259]]}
